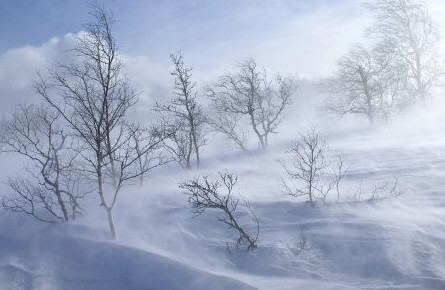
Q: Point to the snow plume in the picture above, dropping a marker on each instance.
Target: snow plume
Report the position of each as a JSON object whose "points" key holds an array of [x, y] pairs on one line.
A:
{"points": [[366, 240]]}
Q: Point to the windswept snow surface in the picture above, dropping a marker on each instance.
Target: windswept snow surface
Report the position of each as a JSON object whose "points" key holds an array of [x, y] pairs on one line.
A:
{"points": [[53, 258], [398, 243]]}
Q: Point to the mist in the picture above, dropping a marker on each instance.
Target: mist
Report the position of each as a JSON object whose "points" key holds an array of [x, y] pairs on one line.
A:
{"points": [[369, 217]]}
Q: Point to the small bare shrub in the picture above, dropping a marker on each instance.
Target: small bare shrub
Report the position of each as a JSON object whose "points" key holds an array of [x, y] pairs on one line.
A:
{"points": [[306, 168], [382, 191], [304, 245], [204, 193]]}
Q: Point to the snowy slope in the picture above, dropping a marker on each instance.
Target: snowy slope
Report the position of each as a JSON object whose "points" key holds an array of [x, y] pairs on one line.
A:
{"points": [[52, 258], [385, 244]]}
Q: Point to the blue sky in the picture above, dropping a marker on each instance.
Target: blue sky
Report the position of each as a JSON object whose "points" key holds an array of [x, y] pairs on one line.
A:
{"points": [[300, 37], [32, 22], [156, 28], [151, 26]]}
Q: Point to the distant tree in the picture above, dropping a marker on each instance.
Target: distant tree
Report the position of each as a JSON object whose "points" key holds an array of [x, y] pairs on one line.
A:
{"points": [[367, 82], [230, 124], [307, 166], [204, 194], [146, 147], [379, 192], [390, 81], [303, 245], [184, 115], [93, 97], [51, 187], [249, 95], [414, 38]]}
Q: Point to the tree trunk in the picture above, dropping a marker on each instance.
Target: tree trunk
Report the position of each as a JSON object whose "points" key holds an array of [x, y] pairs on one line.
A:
{"points": [[252, 121], [111, 223], [195, 143], [103, 200], [369, 108]]}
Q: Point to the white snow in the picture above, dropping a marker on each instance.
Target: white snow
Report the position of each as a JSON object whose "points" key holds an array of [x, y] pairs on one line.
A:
{"points": [[389, 244]]}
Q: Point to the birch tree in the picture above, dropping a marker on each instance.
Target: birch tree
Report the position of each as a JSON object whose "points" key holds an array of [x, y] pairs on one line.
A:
{"points": [[249, 95], [51, 186], [93, 96], [184, 115], [367, 82], [407, 25]]}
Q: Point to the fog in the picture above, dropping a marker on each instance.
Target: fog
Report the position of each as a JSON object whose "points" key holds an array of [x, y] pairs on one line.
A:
{"points": [[360, 235]]}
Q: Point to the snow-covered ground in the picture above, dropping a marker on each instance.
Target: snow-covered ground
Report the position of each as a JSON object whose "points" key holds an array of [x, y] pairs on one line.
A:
{"points": [[355, 243]]}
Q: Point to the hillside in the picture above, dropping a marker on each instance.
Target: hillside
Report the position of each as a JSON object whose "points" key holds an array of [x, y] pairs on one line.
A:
{"points": [[394, 243]]}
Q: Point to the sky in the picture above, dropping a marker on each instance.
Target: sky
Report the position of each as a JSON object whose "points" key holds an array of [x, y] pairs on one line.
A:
{"points": [[211, 29], [144, 23], [299, 37]]}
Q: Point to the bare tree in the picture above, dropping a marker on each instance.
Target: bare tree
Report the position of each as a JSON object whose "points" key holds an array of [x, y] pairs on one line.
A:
{"points": [[146, 146], [402, 66], [93, 97], [379, 192], [53, 188], [204, 194], [339, 173], [250, 96], [365, 83], [385, 191], [390, 81], [184, 114], [306, 168], [230, 125], [414, 37], [303, 244]]}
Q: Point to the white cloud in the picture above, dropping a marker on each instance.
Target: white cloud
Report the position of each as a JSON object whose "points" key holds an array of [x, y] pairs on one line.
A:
{"points": [[311, 44], [150, 78], [290, 38], [18, 68], [283, 35]]}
